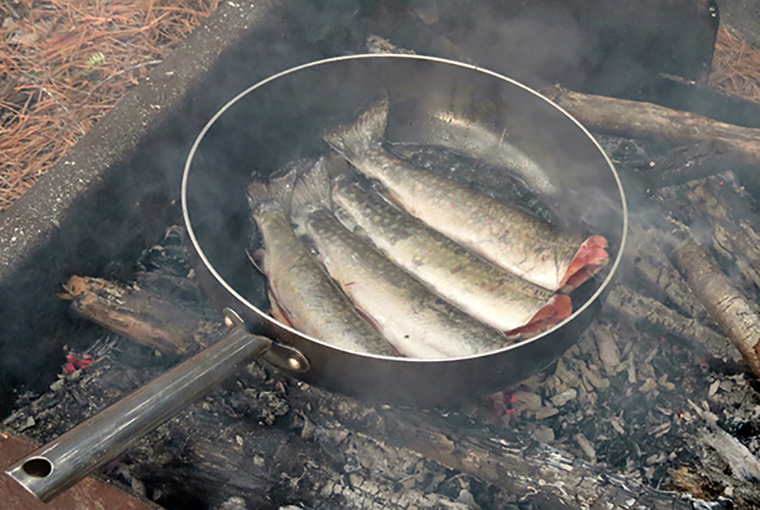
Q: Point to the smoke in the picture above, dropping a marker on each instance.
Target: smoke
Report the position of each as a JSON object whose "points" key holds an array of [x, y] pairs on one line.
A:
{"points": [[537, 44], [607, 47]]}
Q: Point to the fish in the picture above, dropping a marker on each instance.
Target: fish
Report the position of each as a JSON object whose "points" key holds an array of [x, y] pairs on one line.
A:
{"points": [[301, 293], [483, 290], [477, 141], [417, 322], [504, 234]]}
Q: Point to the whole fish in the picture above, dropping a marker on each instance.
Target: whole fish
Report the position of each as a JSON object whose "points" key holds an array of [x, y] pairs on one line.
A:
{"points": [[416, 321], [478, 142], [483, 290], [506, 235], [302, 294]]}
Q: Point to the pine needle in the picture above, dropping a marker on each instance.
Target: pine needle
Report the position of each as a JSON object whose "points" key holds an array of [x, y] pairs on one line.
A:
{"points": [[65, 63]]}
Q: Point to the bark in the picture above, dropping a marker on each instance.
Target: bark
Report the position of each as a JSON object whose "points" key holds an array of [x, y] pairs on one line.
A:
{"points": [[636, 119], [140, 315], [655, 267], [642, 309], [729, 309], [734, 237], [279, 440]]}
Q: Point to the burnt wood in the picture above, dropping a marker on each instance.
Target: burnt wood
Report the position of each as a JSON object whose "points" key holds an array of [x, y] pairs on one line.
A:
{"points": [[650, 121], [658, 318], [727, 207], [653, 264], [277, 440]]}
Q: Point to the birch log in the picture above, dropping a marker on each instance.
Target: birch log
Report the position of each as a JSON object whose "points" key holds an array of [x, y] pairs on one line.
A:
{"points": [[728, 308]]}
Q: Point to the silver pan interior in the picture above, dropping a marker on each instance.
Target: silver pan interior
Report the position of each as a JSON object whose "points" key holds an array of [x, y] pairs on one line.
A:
{"points": [[433, 102]]}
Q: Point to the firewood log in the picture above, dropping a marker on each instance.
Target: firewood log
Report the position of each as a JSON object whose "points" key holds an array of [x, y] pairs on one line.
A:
{"points": [[650, 261], [734, 235], [728, 307], [646, 120], [642, 309], [336, 450]]}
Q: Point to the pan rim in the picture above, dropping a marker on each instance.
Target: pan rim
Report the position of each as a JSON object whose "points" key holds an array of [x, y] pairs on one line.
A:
{"points": [[228, 288]]}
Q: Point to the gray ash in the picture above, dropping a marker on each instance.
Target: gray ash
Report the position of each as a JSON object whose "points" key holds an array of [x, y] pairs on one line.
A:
{"points": [[265, 437]]}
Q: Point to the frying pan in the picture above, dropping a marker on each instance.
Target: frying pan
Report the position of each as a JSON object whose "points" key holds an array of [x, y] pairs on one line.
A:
{"points": [[520, 135], [433, 102]]}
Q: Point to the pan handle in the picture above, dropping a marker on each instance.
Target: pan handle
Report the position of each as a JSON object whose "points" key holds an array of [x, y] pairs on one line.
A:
{"points": [[60, 464]]}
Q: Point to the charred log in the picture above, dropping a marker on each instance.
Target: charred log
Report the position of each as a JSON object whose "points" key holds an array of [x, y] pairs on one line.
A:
{"points": [[734, 236], [686, 163], [278, 440], [653, 315], [142, 316], [650, 121], [658, 271]]}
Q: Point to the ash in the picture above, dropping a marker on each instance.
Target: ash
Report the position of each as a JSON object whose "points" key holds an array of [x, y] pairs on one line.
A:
{"points": [[636, 400]]}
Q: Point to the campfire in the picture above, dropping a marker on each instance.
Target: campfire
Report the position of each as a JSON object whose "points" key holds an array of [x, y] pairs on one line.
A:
{"points": [[655, 406]]}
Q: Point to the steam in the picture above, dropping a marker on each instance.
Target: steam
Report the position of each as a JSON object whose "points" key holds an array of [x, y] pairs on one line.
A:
{"points": [[541, 46]]}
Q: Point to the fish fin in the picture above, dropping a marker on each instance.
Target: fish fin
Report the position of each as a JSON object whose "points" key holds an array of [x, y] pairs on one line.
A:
{"points": [[371, 320], [347, 177], [394, 200], [278, 189], [281, 184], [257, 194], [311, 191], [345, 218], [278, 311], [353, 139], [309, 243], [350, 223], [257, 259], [363, 235]]}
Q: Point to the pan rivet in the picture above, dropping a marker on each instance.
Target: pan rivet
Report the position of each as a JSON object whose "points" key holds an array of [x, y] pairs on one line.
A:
{"points": [[294, 363], [228, 322]]}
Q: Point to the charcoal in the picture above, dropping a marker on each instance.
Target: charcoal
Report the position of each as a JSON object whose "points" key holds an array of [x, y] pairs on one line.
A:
{"points": [[618, 399]]}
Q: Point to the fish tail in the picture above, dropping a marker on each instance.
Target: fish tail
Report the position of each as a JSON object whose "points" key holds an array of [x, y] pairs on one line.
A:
{"points": [[352, 140], [312, 190], [336, 165], [278, 189]]}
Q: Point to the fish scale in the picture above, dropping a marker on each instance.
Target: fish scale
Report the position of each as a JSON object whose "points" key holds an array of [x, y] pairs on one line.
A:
{"points": [[300, 291], [506, 235], [416, 321], [480, 288]]}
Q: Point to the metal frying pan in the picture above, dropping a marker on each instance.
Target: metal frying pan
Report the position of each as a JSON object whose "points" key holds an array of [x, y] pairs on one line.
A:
{"points": [[434, 102]]}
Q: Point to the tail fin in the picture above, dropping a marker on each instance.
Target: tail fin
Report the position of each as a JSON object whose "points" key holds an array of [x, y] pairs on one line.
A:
{"points": [[278, 189], [353, 139], [311, 191]]}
